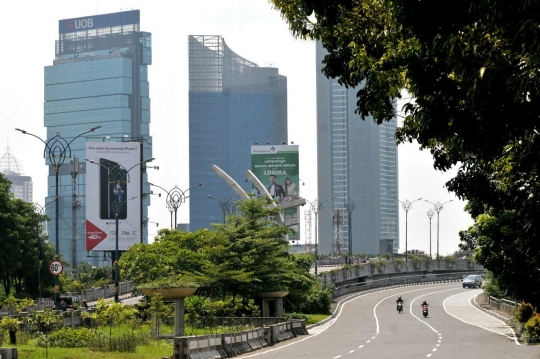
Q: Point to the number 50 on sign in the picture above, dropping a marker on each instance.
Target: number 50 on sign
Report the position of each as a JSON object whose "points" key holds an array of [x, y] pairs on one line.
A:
{"points": [[56, 267]]}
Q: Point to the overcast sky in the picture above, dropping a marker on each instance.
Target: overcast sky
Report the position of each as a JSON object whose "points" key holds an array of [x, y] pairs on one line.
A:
{"points": [[253, 30]]}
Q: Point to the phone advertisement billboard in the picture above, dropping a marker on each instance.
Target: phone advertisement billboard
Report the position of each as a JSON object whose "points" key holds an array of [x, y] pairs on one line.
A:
{"points": [[112, 193], [276, 166]]}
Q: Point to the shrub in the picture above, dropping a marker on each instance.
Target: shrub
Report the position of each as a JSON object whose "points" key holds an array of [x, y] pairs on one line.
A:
{"points": [[67, 338], [532, 330], [317, 301], [524, 312]]}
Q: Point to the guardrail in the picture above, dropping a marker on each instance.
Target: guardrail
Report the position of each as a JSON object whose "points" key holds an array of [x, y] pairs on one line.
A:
{"points": [[502, 304], [397, 280], [232, 344]]}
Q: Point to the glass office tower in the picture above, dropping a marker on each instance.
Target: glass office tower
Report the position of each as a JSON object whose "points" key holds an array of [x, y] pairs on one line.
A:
{"points": [[233, 104], [99, 77], [356, 160]]}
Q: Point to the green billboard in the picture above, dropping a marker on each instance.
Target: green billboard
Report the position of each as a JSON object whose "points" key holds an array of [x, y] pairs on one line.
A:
{"points": [[276, 166]]}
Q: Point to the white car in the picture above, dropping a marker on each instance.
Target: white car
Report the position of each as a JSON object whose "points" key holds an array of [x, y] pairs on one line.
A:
{"points": [[472, 281]]}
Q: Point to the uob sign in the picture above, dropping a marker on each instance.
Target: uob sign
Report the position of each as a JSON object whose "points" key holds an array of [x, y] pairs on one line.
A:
{"points": [[80, 24]]}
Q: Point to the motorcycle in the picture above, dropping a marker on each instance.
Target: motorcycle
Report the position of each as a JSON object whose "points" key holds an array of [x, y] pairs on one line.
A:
{"points": [[425, 310], [399, 307]]}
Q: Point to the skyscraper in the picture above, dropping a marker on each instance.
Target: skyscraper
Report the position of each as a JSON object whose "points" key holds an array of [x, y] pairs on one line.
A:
{"points": [[21, 185], [233, 104], [357, 160], [99, 77]]}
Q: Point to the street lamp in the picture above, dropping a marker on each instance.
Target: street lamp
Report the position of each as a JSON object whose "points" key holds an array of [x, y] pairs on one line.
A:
{"points": [[37, 216], [57, 149], [119, 177], [438, 207], [227, 206], [430, 214], [175, 197], [407, 205], [316, 206]]}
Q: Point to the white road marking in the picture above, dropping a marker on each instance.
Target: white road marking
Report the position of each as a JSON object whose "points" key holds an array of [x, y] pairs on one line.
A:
{"points": [[427, 356], [361, 346], [352, 351], [336, 357], [459, 307]]}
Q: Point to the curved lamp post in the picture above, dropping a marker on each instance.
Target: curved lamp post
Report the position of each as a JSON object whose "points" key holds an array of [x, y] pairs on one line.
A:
{"points": [[407, 205], [430, 214], [438, 207], [119, 177], [316, 206], [227, 206], [175, 198], [57, 149]]}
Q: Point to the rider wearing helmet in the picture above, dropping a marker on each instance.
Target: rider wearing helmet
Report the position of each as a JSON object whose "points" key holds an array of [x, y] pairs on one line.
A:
{"points": [[398, 302], [424, 303]]}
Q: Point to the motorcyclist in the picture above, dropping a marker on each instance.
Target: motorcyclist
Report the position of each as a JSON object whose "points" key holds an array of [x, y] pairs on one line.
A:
{"points": [[424, 303], [398, 302]]}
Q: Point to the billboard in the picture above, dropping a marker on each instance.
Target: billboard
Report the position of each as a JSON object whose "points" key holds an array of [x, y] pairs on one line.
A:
{"points": [[113, 189], [276, 166]]}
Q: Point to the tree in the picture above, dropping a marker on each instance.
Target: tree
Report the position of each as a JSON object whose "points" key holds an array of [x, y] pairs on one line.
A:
{"points": [[473, 69], [18, 246]]}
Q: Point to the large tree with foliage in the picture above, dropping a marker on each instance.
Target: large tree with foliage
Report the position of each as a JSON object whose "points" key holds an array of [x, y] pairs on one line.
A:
{"points": [[473, 70], [246, 255], [20, 230]]}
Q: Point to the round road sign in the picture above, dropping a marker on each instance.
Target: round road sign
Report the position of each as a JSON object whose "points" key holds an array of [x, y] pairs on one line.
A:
{"points": [[56, 267]]}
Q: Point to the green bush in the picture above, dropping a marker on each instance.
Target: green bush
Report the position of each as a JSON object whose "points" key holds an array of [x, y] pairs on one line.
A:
{"points": [[67, 338], [524, 312], [124, 342], [197, 306], [532, 328], [317, 301]]}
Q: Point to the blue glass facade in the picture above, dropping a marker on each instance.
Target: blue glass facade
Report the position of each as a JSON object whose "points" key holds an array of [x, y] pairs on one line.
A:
{"points": [[99, 78], [233, 103], [356, 160]]}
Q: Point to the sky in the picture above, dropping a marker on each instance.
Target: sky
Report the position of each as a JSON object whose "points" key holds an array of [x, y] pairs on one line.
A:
{"points": [[252, 29]]}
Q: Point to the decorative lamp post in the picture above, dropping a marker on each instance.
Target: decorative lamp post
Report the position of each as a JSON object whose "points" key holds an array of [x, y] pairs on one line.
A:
{"points": [[430, 214], [119, 177], [175, 198], [438, 207], [227, 206], [57, 149], [316, 206], [407, 205]]}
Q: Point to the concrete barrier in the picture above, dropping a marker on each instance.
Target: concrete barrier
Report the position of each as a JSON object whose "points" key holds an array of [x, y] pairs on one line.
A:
{"points": [[9, 353], [232, 344]]}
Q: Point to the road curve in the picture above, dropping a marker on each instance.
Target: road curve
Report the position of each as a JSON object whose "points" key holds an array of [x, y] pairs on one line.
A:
{"points": [[370, 326]]}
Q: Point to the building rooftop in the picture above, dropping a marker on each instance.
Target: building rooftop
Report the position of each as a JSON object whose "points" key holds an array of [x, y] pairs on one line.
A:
{"points": [[10, 165]]}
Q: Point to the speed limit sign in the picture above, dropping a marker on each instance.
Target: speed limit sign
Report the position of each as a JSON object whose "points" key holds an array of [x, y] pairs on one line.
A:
{"points": [[56, 267]]}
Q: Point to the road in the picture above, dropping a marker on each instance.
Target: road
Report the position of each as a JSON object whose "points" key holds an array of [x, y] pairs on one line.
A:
{"points": [[370, 327]]}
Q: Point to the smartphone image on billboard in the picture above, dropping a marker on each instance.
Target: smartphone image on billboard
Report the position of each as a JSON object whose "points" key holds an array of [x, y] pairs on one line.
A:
{"points": [[118, 185], [113, 190]]}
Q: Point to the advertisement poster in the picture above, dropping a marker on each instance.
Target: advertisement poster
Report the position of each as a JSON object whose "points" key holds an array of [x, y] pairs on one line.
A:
{"points": [[276, 166], [112, 191]]}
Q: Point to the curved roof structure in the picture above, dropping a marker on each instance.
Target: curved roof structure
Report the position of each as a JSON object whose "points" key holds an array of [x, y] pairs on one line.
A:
{"points": [[10, 165]]}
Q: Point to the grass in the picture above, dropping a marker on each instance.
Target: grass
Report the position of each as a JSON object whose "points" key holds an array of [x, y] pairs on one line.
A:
{"points": [[315, 318], [154, 350]]}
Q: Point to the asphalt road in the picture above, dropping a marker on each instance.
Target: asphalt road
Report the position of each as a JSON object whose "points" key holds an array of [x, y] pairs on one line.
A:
{"points": [[370, 327]]}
